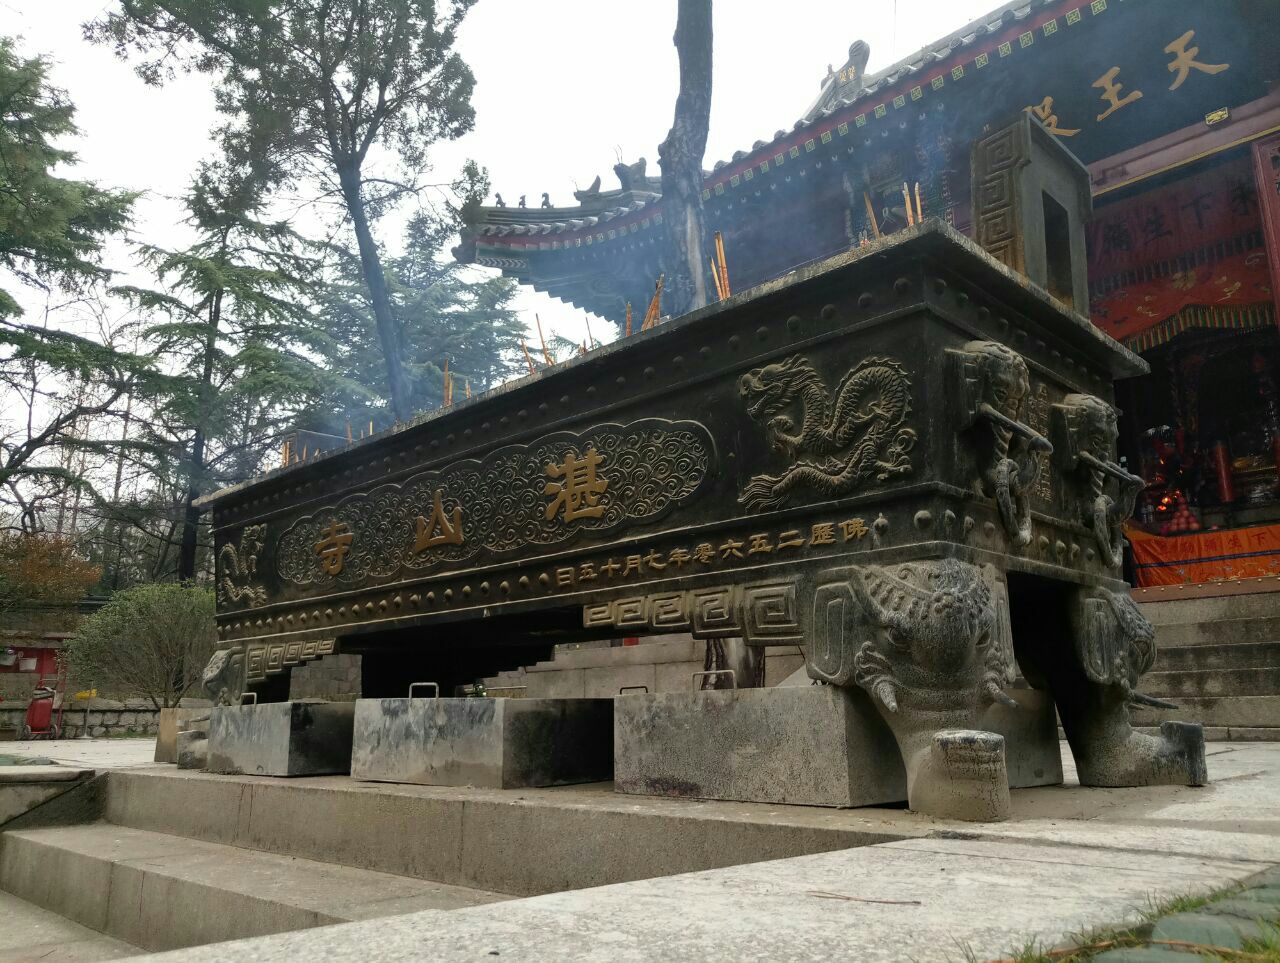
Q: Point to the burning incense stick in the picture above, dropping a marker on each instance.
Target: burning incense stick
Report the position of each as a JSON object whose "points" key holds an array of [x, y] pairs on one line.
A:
{"points": [[628, 319], [591, 338], [655, 306], [906, 202], [871, 215], [349, 438], [724, 265], [715, 276], [919, 206], [525, 348], [546, 355]]}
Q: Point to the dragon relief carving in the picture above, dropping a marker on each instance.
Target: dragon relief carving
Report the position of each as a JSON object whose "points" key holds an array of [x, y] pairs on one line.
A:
{"points": [[991, 382], [239, 565], [841, 441], [1087, 433]]}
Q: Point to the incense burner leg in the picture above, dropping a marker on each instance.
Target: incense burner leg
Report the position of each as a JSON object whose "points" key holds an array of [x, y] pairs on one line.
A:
{"points": [[1113, 646], [928, 653]]}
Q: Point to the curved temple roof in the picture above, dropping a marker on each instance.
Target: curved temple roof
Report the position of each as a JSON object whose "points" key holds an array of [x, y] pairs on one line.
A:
{"points": [[839, 90]]}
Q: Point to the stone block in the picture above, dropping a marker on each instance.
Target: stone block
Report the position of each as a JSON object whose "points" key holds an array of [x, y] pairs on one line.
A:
{"points": [[281, 739], [807, 745], [488, 743], [811, 745], [170, 722]]}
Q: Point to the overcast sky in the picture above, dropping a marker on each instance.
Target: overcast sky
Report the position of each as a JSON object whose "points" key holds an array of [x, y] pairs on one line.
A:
{"points": [[562, 86]]}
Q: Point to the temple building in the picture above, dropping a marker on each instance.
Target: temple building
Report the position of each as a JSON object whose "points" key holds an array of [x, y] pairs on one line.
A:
{"points": [[1174, 109]]}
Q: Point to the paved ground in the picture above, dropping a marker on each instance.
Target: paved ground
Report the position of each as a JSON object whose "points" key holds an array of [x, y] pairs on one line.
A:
{"points": [[30, 933], [91, 753], [1071, 859]]}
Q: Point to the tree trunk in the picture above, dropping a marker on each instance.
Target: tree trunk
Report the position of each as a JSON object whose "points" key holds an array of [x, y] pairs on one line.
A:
{"points": [[371, 267], [681, 158], [115, 490], [190, 514]]}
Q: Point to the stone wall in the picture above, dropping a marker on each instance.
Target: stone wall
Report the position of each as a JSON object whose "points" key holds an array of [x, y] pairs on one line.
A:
{"points": [[335, 677], [106, 718]]}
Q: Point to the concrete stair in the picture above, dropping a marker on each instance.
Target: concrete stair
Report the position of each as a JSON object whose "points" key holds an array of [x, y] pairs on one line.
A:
{"points": [[161, 891], [31, 933], [159, 858], [663, 664], [1219, 659]]}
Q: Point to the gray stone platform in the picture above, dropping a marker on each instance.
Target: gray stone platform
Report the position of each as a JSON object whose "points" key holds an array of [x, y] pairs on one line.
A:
{"points": [[805, 745], [488, 743], [281, 739], [1070, 859]]}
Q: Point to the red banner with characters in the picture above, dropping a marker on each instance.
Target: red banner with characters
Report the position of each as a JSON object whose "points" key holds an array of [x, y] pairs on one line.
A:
{"points": [[1175, 220], [1193, 243], [1205, 556]]}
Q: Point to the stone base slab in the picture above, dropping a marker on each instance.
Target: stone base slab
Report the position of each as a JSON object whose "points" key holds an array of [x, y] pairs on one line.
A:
{"points": [[281, 739], [487, 743], [805, 745], [171, 722]]}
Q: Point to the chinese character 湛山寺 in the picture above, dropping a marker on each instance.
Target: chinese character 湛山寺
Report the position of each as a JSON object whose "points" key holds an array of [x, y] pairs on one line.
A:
{"points": [[332, 548], [577, 494]]}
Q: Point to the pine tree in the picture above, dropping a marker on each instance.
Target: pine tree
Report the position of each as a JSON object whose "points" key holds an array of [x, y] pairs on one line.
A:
{"points": [[53, 383], [232, 321], [51, 227], [310, 88], [439, 313]]}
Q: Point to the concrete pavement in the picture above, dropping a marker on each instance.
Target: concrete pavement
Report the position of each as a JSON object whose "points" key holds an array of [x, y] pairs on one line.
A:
{"points": [[1070, 859], [99, 754]]}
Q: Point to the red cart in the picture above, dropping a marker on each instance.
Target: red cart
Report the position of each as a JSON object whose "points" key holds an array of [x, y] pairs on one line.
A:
{"points": [[44, 711]]}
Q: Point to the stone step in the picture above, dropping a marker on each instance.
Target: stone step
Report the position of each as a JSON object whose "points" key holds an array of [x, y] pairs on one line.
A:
{"points": [[1231, 711], [1229, 631], [523, 843], [1212, 682], [30, 933], [1191, 611], [159, 892], [1197, 658], [23, 788]]}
